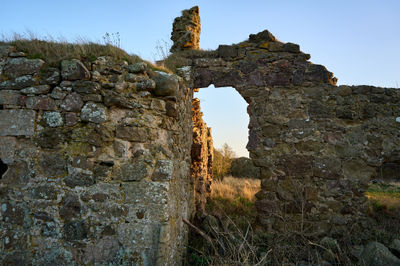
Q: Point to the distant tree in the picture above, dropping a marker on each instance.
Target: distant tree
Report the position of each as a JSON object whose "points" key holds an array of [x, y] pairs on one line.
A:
{"points": [[222, 161]]}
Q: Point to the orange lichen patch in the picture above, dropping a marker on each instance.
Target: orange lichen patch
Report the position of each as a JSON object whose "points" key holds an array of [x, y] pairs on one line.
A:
{"points": [[264, 45]]}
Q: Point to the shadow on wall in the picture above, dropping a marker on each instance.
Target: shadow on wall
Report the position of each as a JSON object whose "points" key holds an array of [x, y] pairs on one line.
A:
{"points": [[3, 168]]}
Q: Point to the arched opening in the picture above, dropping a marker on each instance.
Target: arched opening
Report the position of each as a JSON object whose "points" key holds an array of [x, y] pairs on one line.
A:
{"points": [[235, 178], [3, 168], [224, 110]]}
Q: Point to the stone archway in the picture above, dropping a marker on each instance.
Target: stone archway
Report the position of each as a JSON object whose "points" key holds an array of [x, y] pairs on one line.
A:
{"points": [[317, 144]]}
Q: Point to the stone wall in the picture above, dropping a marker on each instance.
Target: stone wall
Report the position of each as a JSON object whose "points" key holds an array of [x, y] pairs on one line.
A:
{"points": [[202, 158], [186, 30], [95, 161], [317, 144]]}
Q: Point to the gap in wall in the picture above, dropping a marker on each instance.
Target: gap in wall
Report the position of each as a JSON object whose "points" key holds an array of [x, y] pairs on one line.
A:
{"points": [[225, 111], [3, 168]]}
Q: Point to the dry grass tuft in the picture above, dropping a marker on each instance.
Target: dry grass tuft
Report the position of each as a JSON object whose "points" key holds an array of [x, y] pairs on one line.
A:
{"points": [[385, 197], [232, 188], [53, 50]]}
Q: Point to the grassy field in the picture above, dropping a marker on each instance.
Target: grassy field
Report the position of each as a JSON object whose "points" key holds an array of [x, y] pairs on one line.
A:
{"points": [[385, 197], [234, 197], [235, 238]]}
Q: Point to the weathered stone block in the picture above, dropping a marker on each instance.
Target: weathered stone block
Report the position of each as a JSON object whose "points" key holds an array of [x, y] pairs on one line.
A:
{"points": [[51, 76], [12, 214], [17, 122], [10, 97], [75, 230], [102, 251], [139, 67], [85, 86], [51, 164], [139, 134], [53, 119], [40, 103], [72, 103], [163, 170], [134, 170], [71, 207], [74, 70], [7, 149], [17, 67], [18, 83], [262, 36], [166, 84], [80, 178], [41, 89], [94, 112], [45, 192], [58, 93]]}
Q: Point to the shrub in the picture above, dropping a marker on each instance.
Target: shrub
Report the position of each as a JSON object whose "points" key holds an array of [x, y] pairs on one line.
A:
{"points": [[222, 161]]}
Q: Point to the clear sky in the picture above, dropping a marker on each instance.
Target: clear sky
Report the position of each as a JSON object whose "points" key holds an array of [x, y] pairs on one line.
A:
{"points": [[359, 41]]}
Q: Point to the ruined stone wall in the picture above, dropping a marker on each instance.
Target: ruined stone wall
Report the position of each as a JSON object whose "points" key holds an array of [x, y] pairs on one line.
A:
{"points": [[317, 144], [186, 30], [97, 162], [202, 158]]}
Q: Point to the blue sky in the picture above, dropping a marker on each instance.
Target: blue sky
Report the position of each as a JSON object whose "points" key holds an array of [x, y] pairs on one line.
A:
{"points": [[359, 41]]}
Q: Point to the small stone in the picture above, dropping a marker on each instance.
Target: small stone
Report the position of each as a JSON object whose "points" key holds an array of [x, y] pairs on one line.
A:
{"points": [[138, 67], [133, 170], [51, 164], [163, 170], [71, 207], [92, 98], [41, 89], [12, 214], [158, 104], [145, 85], [17, 122], [395, 247], [93, 112], [80, 178], [58, 94], [18, 83], [72, 102], [262, 36], [75, 230], [43, 192], [102, 251], [71, 119], [166, 84], [40, 103], [132, 77], [11, 97], [85, 86], [51, 76], [138, 134], [74, 70], [291, 47], [53, 119], [17, 67], [144, 94], [7, 149], [17, 54], [376, 253], [171, 109]]}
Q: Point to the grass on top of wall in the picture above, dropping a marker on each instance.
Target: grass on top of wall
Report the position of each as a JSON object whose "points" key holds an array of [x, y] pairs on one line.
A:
{"points": [[53, 51]]}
